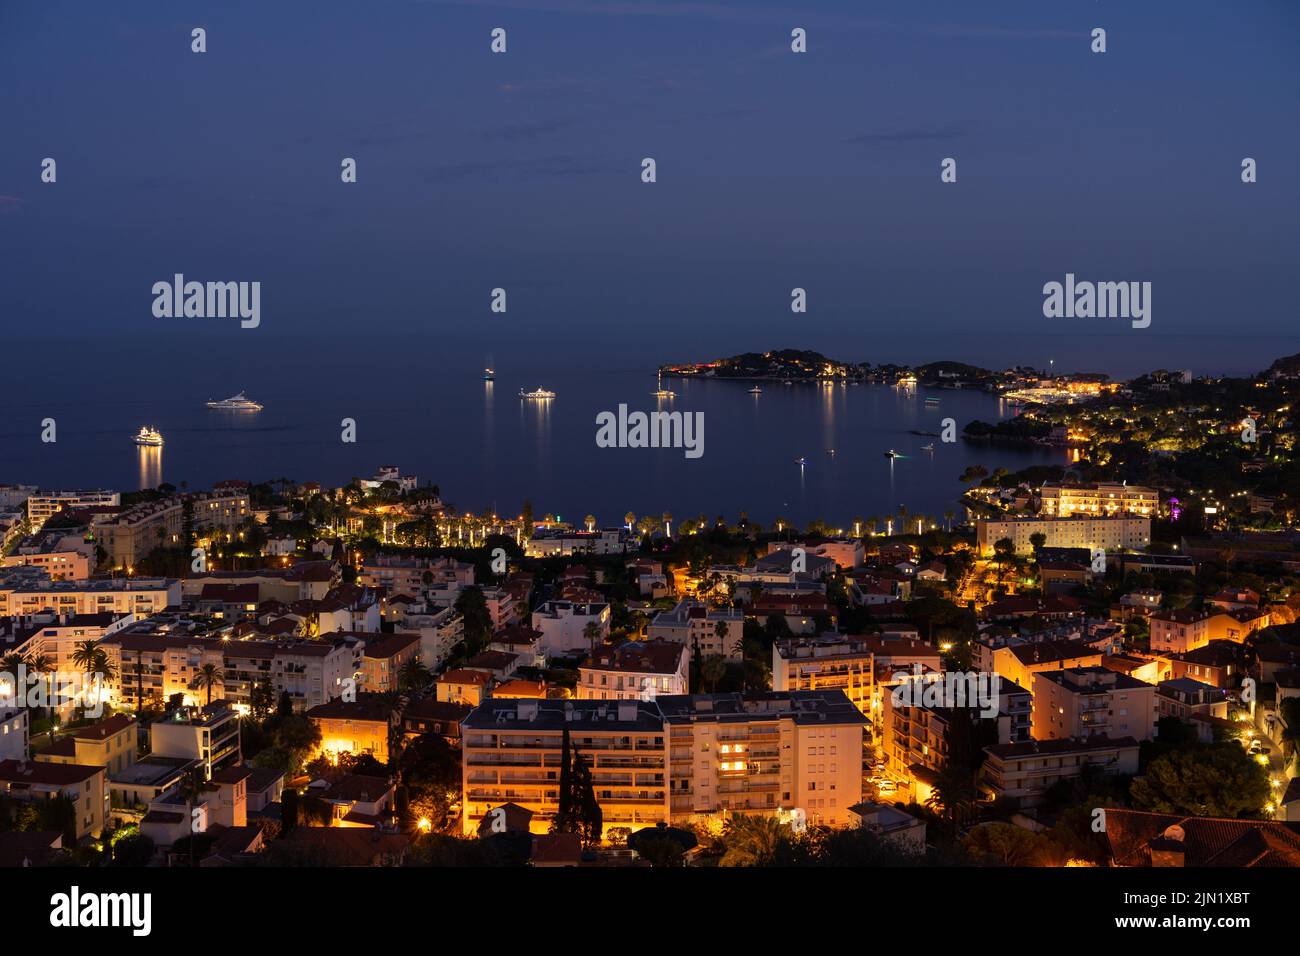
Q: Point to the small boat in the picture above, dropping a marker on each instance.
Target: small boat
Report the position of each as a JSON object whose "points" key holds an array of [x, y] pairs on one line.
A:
{"points": [[148, 436], [831, 452], [929, 447], [489, 375], [931, 402], [537, 393], [787, 382], [892, 454], [801, 462], [755, 391], [236, 403]]}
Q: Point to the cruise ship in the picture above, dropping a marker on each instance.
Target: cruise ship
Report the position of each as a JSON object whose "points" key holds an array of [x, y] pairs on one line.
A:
{"points": [[538, 393], [148, 436], [236, 403]]}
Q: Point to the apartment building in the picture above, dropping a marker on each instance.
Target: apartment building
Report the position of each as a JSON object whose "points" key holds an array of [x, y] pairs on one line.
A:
{"points": [[440, 631], [30, 591], [33, 782], [57, 636], [915, 740], [707, 631], [836, 661], [153, 666], [383, 658], [109, 743], [41, 506], [132, 533], [563, 625], [1105, 532], [224, 509], [1097, 498], [1187, 699], [208, 734], [1186, 630], [1019, 663], [511, 753], [1092, 701], [1025, 771], [411, 575], [635, 670], [304, 581], [354, 727], [776, 752]]}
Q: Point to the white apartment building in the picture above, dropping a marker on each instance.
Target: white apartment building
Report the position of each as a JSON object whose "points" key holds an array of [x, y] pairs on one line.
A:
{"points": [[563, 625], [635, 670]]}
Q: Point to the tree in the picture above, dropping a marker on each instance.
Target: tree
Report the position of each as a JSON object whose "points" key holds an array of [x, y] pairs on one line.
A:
{"points": [[1009, 845], [565, 819], [591, 631], [413, 676], [712, 671], [208, 677], [753, 840], [590, 817], [662, 845], [473, 609], [1038, 540], [1220, 780]]}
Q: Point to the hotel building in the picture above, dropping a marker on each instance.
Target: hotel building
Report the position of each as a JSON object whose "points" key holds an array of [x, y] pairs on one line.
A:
{"points": [[1098, 498], [1109, 533]]}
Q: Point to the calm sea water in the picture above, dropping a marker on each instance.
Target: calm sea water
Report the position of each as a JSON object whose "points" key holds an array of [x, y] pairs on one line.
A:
{"points": [[432, 414]]}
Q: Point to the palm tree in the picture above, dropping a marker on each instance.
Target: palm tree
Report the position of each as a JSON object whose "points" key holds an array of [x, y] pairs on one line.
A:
{"points": [[208, 677], [752, 840], [947, 519], [629, 519], [592, 633], [857, 526], [413, 676], [590, 522], [43, 666], [668, 524], [712, 670]]}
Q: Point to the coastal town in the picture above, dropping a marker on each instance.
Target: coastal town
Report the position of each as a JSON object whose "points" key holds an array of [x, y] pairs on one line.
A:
{"points": [[1094, 663]]}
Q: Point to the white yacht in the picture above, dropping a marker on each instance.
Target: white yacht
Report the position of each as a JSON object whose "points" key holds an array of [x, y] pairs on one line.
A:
{"points": [[755, 391], [236, 403], [537, 393], [148, 436]]}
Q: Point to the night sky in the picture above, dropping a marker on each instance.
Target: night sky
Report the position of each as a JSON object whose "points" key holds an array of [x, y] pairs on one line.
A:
{"points": [[775, 170]]}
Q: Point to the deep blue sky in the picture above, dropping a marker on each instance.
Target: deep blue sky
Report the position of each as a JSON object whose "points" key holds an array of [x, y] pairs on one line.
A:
{"points": [[775, 170]]}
